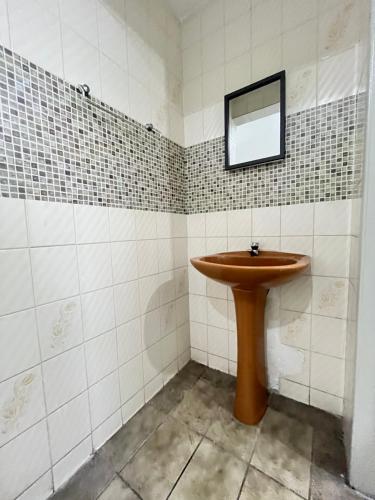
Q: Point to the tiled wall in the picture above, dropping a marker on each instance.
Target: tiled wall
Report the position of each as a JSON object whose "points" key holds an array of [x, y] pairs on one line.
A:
{"points": [[320, 164], [306, 319], [127, 52], [79, 150], [93, 322], [229, 44]]}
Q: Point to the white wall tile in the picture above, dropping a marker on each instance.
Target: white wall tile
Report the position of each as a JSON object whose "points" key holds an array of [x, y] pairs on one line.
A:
{"points": [[239, 223], [101, 356], [217, 313], [146, 225], [129, 340], [297, 220], [68, 426], [266, 221], [165, 254], [13, 231], [16, 288], [168, 347], [64, 377], [149, 293], [328, 336], [217, 363], [152, 362], [295, 329], [153, 387], [29, 453], [104, 399], [217, 341], [331, 256], [95, 269], [147, 251], [124, 261], [92, 224], [326, 402], [22, 403], [60, 326], [98, 312], [198, 308], [42, 488], [132, 406], [50, 223], [122, 224], [330, 296], [126, 302], [35, 33], [294, 391], [296, 295], [19, 349], [266, 21], [150, 328], [167, 318], [55, 273], [327, 374], [67, 466], [106, 430], [332, 218]]}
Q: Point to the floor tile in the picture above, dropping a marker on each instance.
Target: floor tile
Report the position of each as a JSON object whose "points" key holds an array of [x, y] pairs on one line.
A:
{"points": [[219, 379], [123, 445], [171, 395], [325, 485], [283, 451], [197, 408], [258, 486], [118, 490], [154, 470], [212, 474], [315, 417], [227, 432], [88, 482]]}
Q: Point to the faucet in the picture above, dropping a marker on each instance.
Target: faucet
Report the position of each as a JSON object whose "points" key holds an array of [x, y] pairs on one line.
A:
{"points": [[254, 249]]}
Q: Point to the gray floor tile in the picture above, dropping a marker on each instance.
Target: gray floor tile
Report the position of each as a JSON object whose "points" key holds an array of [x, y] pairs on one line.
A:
{"points": [[118, 490], [171, 395], [328, 486], [258, 486], [283, 451], [219, 379], [198, 407], [154, 470], [123, 445], [231, 434], [88, 482], [318, 419], [212, 474]]}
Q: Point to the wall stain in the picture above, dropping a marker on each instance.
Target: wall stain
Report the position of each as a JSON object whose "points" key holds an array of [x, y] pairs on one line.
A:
{"points": [[14, 407], [62, 327]]}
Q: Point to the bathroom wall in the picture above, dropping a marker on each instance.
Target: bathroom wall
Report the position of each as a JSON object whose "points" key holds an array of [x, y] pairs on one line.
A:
{"points": [[93, 265], [127, 52], [303, 203], [229, 44]]}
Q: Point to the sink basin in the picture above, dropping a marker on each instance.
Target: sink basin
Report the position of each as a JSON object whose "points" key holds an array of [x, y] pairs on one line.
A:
{"points": [[250, 278]]}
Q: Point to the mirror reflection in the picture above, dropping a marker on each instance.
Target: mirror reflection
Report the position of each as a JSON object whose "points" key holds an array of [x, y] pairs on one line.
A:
{"points": [[255, 120]]}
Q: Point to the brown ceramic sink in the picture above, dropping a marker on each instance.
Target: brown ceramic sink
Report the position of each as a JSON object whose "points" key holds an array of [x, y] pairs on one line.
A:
{"points": [[250, 278], [241, 270]]}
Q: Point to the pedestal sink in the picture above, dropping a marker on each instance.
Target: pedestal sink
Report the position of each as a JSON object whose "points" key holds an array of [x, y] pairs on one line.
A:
{"points": [[250, 278]]}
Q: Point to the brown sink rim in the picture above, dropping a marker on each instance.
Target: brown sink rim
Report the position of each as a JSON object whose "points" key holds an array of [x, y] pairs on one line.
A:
{"points": [[269, 259]]}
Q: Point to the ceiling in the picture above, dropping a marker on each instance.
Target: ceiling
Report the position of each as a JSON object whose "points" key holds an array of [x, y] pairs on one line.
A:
{"points": [[184, 8]]}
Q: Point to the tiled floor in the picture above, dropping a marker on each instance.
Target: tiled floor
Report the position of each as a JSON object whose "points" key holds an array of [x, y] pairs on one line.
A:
{"points": [[186, 445]]}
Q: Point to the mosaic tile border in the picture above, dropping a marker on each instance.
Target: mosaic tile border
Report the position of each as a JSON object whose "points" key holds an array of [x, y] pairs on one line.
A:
{"points": [[58, 146], [321, 164]]}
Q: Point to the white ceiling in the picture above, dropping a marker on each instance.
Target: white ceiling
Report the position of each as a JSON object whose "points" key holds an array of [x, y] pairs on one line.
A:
{"points": [[184, 8]]}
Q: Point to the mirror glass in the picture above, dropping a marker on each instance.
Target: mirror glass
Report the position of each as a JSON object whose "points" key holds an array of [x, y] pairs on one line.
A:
{"points": [[255, 123]]}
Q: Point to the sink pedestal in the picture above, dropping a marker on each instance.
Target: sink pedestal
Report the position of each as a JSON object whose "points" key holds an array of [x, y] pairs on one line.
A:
{"points": [[251, 392]]}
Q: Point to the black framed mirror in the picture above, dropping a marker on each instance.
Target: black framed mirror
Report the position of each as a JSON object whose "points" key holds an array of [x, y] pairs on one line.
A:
{"points": [[255, 123]]}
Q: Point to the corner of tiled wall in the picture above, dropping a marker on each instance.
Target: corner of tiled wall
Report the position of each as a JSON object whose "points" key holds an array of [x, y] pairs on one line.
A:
{"points": [[93, 322]]}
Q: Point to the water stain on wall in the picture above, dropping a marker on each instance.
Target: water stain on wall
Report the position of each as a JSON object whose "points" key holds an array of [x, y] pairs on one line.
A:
{"points": [[15, 406], [338, 28], [62, 327]]}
